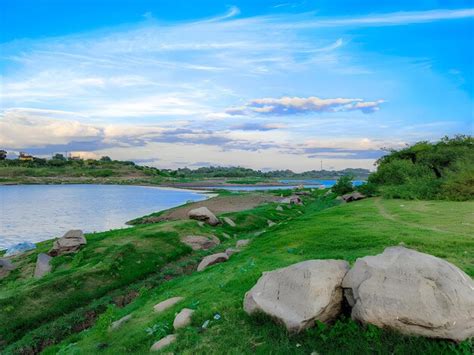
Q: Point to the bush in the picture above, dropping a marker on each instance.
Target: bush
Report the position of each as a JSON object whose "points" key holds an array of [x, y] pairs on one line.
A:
{"points": [[343, 185]]}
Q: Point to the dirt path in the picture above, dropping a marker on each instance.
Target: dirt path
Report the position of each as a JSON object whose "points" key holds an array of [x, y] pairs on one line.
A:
{"points": [[218, 205], [386, 214]]}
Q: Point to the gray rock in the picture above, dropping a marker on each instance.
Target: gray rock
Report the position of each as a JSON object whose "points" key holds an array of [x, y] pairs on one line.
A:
{"points": [[5, 267], [300, 294], [353, 196], [163, 342], [43, 265], [292, 200], [170, 302], [199, 242], [231, 251], [119, 323], [271, 223], [242, 243], [279, 208], [203, 214], [229, 221], [71, 242], [211, 260], [413, 293], [183, 318], [20, 248]]}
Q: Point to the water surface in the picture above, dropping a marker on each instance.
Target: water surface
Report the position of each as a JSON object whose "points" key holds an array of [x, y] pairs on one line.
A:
{"points": [[38, 212], [289, 184]]}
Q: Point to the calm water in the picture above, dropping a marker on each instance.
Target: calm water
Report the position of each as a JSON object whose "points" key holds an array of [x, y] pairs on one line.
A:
{"points": [[39, 212], [290, 184]]}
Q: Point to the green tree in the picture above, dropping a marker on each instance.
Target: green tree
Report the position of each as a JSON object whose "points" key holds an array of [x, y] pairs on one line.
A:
{"points": [[343, 185]]}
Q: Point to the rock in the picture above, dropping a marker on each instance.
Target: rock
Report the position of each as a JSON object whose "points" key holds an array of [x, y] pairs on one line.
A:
{"points": [[229, 221], [71, 242], [211, 260], [203, 214], [413, 293], [299, 294], [163, 342], [201, 223], [170, 302], [292, 200], [354, 196], [199, 242], [242, 243], [118, 323], [279, 208], [183, 318], [271, 223], [20, 248], [43, 265], [225, 235], [231, 251], [5, 267]]}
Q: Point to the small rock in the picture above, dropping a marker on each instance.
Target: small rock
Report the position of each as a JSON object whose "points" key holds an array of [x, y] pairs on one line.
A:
{"points": [[183, 318], [211, 260], [71, 242], [242, 243], [203, 214], [229, 221], [164, 342], [354, 196], [201, 223], [5, 267], [118, 323], [20, 248], [170, 302], [279, 208], [231, 251], [198, 242], [43, 265], [226, 236], [271, 223], [292, 200]]}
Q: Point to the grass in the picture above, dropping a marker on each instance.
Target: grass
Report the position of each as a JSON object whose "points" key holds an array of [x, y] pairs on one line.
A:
{"points": [[319, 230]]}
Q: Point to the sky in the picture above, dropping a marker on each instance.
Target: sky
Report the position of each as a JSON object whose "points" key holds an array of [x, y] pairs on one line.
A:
{"points": [[274, 84]]}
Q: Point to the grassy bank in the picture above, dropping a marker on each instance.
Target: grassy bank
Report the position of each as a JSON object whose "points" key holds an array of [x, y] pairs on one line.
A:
{"points": [[149, 260]]}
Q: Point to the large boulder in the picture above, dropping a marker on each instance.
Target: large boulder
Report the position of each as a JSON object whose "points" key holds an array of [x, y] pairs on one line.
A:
{"points": [[43, 265], [183, 318], [119, 323], [292, 200], [211, 260], [353, 196], [413, 293], [199, 242], [71, 242], [300, 294], [20, 248], [163, 342], [203, 214], [5, 267]]}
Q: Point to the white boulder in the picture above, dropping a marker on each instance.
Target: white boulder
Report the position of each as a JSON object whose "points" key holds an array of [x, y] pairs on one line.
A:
{"points": [[413, 293], [299, 294]]}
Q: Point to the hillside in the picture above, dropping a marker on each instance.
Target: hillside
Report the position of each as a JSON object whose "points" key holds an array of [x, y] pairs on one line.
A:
{"points": [[128, 271]]}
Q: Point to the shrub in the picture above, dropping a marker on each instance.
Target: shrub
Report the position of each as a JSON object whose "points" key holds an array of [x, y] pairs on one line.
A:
{"points": [[343, 185]]}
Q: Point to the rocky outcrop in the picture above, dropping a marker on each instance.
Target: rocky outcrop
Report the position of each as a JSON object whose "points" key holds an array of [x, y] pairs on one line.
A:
{"points": [[229, 221], [292, 200], [183, 318], [170, 302], [163, 342], [353, 196], [203, 214], [119, 323], [299, 294], [5, 267], [71, 242], [413, 293], [211, 260], [43, 265], [199, 242]]}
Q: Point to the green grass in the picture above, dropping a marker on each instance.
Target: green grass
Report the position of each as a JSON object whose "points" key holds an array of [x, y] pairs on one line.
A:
{"points": [[318, 231]]}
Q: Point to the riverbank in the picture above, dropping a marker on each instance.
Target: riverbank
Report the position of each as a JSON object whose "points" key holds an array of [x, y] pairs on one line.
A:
{"points": [[127, 271]]}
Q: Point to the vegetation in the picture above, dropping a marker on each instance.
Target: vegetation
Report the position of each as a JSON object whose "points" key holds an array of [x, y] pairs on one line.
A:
{"points": [[440, 170], [150, 261], [343, 185]]}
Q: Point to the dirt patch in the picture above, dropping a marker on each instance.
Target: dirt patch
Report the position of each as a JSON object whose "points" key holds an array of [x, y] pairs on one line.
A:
{"points": [[218, 205]]}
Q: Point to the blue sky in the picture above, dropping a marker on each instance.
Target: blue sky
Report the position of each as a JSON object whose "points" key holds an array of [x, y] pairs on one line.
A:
{"points": [[268, 84]]}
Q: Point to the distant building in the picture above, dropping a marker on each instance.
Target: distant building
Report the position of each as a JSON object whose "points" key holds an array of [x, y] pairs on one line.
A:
{"points": [[25, 157]]}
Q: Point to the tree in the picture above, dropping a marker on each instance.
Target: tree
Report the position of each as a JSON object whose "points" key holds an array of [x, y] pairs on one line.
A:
{"points": [[59, 156], [343, 185], [3, 154], [105, 159]]}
